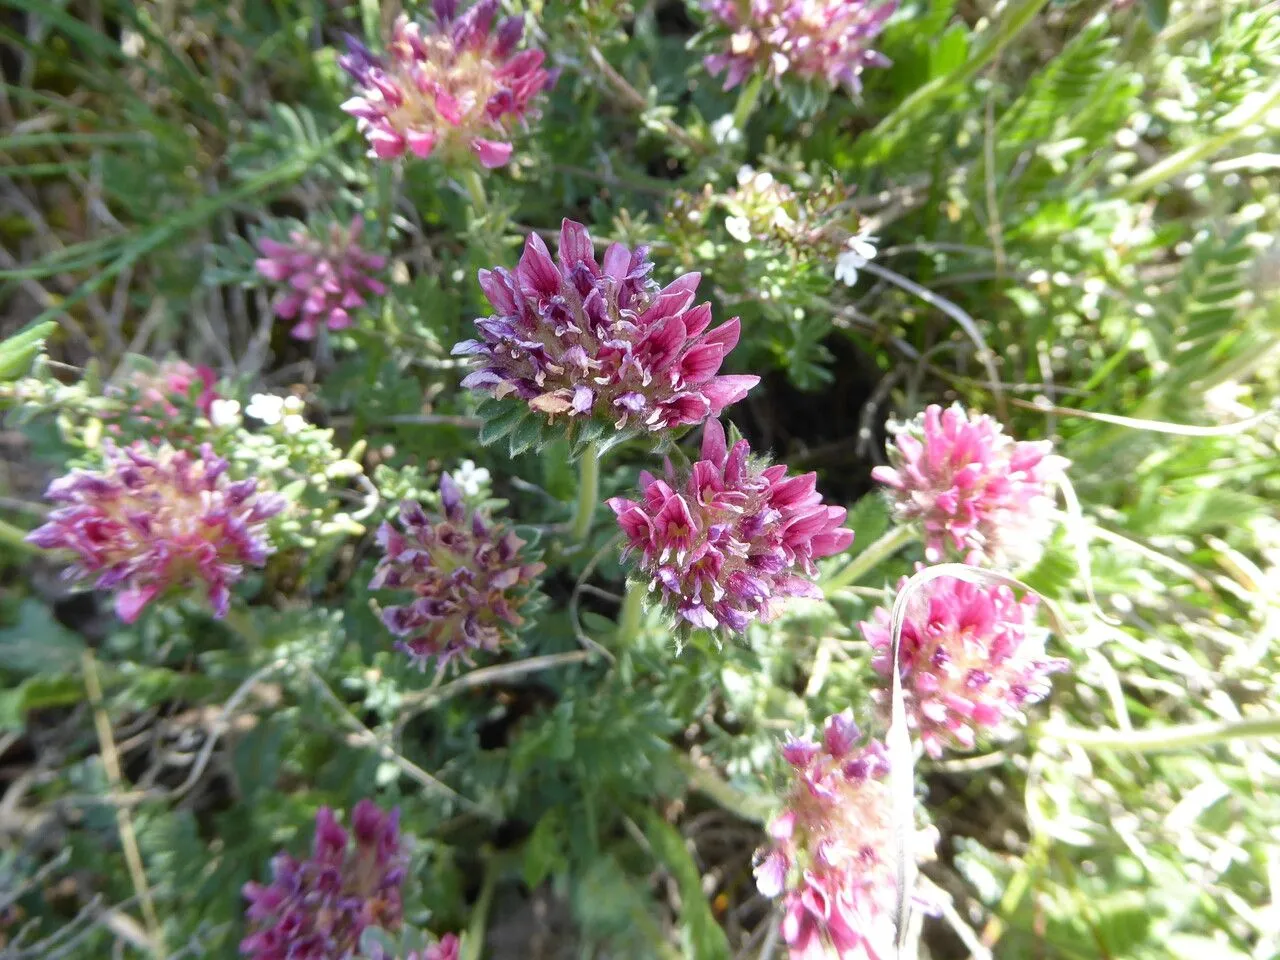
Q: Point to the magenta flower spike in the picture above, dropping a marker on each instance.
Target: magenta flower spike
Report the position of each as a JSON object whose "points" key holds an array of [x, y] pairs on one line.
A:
{"points": [[972, 488], [971, 658], [828, 40], [317, 908], [322, 279], [588, 340], [467, 575], [724, 542], [830, 856], [456, 87], [159, 519]]}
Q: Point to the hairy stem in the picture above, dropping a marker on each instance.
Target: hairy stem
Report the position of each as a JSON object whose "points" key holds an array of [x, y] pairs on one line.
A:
{"points": [[14, 537], [704, 779], [631, 616], [875, 554], [588, 493]]}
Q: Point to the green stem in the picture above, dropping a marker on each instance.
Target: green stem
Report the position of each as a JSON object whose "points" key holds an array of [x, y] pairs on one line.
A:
{"points": [[870, 558], [475, 189], [15, 537], [1185, 737], [1171, 166], [706, 781], [1008, 28], [473, 946], [748, 100], [631, 616], [588, 493]]}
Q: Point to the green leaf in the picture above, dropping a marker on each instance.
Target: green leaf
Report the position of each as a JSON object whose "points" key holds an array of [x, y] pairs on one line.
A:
{"points": [[19, 351], [256, 757], [952, 50], [544, 850], [502, 424], [525, 435], [37, 643], [36, 693]]}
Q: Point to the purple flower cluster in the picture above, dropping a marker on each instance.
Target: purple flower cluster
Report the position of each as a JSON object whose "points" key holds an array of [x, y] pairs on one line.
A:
{"points": [[971, 657], [722, 542], [323, 279], [456, 87], [316, 909], [809, 39], [156, 519], [584, 339], [830, 857], [467, 575], [972, 488]]}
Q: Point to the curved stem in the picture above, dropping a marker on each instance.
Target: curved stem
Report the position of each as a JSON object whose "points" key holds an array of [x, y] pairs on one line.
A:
{"points": [[1184, 737], [588, 493], [870, 558]]}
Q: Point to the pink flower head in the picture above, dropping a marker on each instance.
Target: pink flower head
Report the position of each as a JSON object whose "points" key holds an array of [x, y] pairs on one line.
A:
{"points": [[157, 519], [467, 576], [809, 39], [159, 392], [457, 86], [830, 856], [724, 541], [972, 488], [322, 278], [317, 908], [447, 948], [600, 340], [971, 658]]}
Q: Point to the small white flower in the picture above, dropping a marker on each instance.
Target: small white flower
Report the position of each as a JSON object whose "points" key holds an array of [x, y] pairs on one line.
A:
{"points": [[859, 250], [723, 131], [266, 407], [739, 228], [224, 413], [471, 480], [293, 423]]}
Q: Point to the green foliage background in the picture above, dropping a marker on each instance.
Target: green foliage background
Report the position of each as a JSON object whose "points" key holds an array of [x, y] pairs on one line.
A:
{"points": [[1073, 196]]}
